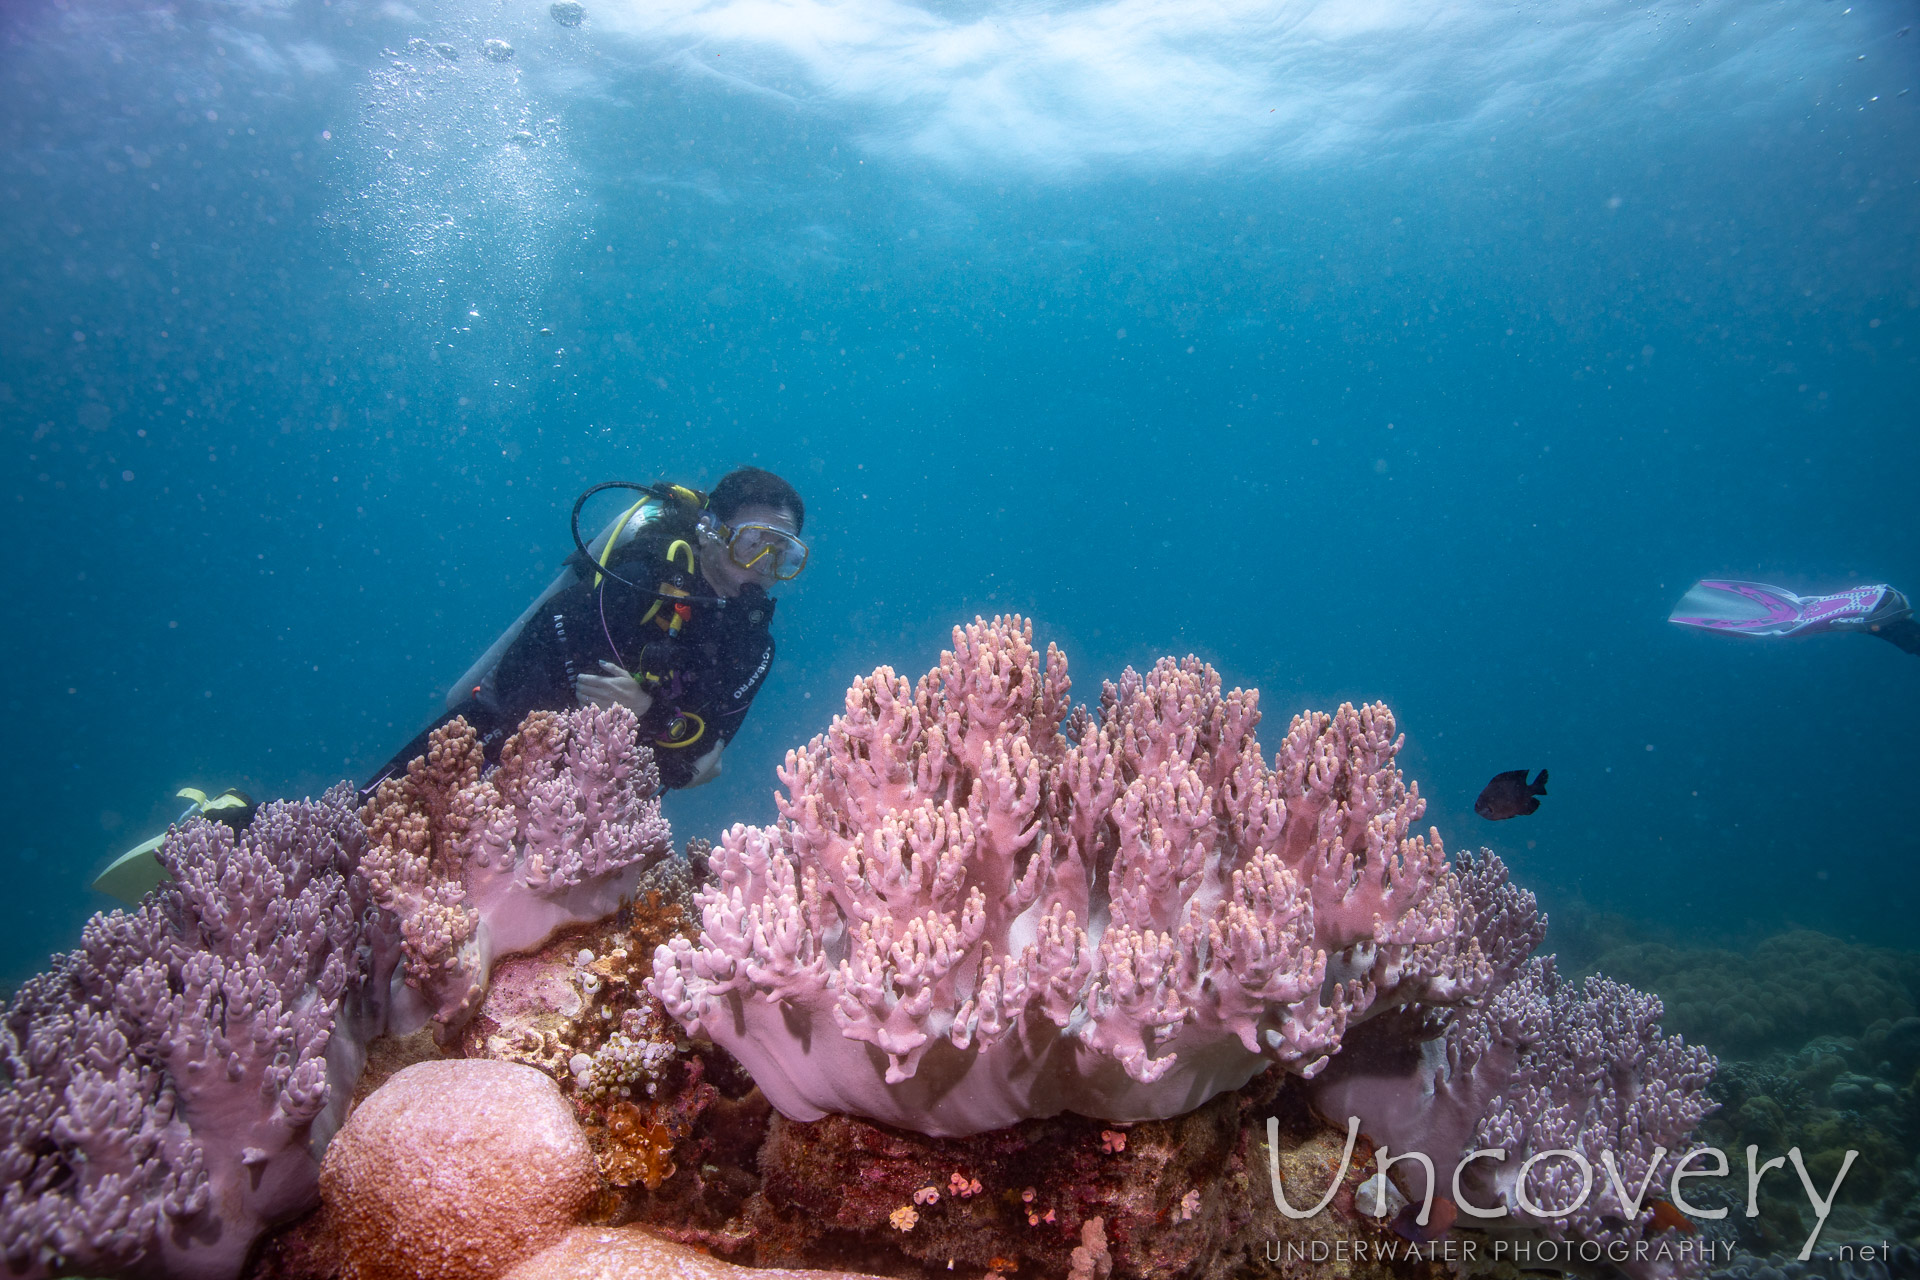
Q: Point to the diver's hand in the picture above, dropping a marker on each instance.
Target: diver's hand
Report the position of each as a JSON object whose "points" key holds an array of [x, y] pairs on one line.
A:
{"points": [[707, 767], [616, 687]]}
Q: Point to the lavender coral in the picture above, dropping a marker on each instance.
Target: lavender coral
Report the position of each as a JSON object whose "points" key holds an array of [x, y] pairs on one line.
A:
{"points": [[1537, 1067], [1598, 1078], [168, 1085], [980, 906], [481, 863]]}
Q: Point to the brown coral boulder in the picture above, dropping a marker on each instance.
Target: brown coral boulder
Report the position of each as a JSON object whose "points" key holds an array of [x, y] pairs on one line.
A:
{"points": [[628, 1253], [455, 1170]]}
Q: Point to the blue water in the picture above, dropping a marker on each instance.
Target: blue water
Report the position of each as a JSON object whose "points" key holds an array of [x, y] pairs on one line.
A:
{"points": [[1420, 352]]}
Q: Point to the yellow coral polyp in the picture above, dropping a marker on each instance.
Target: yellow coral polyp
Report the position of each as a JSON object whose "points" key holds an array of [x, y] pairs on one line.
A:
{"points": [[637, 1149]]}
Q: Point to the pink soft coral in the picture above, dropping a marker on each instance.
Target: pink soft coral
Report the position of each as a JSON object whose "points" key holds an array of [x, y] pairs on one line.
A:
{"points": [[980, 906]]}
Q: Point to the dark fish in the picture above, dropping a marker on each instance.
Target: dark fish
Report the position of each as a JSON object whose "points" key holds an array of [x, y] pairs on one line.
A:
{"points": [[1406, 1223], [1668, 1218], [1510, 795]]}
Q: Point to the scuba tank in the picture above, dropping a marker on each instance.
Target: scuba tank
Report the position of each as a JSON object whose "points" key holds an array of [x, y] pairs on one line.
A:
{"points": [[621, 530]]}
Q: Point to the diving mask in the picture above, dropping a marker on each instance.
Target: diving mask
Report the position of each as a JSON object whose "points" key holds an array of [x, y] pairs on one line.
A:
{"points": [[765, 548]]}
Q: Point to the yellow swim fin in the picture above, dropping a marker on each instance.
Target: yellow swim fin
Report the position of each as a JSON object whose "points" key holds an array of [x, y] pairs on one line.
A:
{"points": [[131, 875]]}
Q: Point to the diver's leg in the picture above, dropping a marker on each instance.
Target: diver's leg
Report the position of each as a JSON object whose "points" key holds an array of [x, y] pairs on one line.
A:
{"points": [[1903, 633]]}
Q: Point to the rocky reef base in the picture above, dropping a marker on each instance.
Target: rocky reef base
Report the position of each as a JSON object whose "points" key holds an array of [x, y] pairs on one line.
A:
{"points": [[685, 1170], [684, 1149]]}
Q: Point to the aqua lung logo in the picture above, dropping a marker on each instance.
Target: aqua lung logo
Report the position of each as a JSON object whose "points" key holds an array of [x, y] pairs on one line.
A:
{"points": [[1701, 1162]]}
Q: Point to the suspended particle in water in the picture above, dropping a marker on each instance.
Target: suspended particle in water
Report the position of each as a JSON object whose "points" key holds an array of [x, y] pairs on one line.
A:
{"points": [[497, 50], [568, 13]]}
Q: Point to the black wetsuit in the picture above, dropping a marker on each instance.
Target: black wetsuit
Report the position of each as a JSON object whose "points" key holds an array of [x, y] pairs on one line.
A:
{"points": [[709, 672]]}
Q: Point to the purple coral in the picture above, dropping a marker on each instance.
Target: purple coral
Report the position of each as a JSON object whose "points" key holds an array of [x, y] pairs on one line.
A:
{"points": [[169, 1084], [479, 863], [977, 907], [1599, 1078], [1535, 1067]]}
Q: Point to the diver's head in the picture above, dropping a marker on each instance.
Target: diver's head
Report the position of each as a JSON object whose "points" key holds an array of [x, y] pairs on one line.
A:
{"points": [[755, 487], [759, 544]]}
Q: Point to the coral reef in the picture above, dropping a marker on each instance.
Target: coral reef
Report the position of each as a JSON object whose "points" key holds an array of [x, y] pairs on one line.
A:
{"points": [[1024, 980], [170, 1083], [479, 863], [1819, 1049], [1184, 1196], [1596, 1076], [170, 1086], [1091, 1261], [472, 1169], [978, 907], [1779, 994], [1830, 1096], [839, 1187], [1900, 1262], [671, 1124]]}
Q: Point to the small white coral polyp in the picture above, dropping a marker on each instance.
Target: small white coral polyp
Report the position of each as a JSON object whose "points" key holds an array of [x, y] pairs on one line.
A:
{"points": [[981, 905]]}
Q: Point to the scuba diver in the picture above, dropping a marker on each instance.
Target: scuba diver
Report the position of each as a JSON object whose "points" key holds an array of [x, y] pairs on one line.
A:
{"points": [[666, 613], [1756, 609]]}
